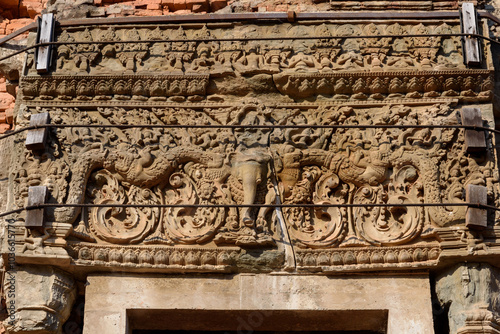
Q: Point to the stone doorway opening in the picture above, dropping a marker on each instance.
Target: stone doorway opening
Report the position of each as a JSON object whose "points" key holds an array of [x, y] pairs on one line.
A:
{"points": [[255, 332], [191, 321]]}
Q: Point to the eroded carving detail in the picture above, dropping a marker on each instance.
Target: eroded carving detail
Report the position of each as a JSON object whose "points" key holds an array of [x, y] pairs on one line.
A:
{"points": [[196, 79], [248, 165]]}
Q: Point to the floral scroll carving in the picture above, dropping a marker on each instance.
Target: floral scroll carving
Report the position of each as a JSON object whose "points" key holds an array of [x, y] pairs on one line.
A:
{"points": [[195, 225], [395, 224], [232, 127], [249, 165], [121, 225]]}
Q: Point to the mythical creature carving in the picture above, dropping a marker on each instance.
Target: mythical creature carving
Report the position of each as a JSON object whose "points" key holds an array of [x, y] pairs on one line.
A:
{"points": [[252, 164]]}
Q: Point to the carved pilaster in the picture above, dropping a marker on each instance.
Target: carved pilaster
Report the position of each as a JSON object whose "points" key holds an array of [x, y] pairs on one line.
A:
{"points": [[38, 299], [472, 292]]}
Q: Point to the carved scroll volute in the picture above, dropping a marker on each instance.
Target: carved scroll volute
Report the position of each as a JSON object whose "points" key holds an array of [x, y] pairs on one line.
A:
{"points": [[121, 225], [394, 224], [316, 227], [194, 225]]}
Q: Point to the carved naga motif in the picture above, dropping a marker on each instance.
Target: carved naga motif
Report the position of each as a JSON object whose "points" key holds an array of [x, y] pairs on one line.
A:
{"points": [[196, 170], [391, 167], [174, 167]]}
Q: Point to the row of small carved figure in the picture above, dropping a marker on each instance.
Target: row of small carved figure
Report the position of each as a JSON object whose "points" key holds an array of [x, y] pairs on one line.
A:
{"points": [[414, 86], [203, 53], [121, 89], [254, 31], [87, 89], [153, 257], [366, 257]]}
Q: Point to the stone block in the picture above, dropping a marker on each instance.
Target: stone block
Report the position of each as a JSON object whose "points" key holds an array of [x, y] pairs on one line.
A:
{"points": [[35, 5], [182, 12], [148, 12], [114, 9], [9, 115], [109, 299], [10, 3], [169, 4], [43, 298], [97, 12], [197, 5], [83, 2], [17, 24], [32, 12], [23, 11], [153, 6], [199, 8], [8, 14], [216, 5], [4, 127]]}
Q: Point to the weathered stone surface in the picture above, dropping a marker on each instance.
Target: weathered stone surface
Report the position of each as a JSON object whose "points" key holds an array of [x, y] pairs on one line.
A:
{"points": [[471, 292], [6, 158], [406, 299], [308, 166], [40, 298], [342, 125], [260, 261]]}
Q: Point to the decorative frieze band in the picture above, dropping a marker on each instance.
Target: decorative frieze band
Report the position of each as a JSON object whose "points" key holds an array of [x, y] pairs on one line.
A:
{"points": [[364, 258], [99, 88], [474, 85], [175, 259]]}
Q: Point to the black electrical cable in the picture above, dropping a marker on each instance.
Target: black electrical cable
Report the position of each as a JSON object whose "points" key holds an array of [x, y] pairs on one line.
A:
{"points": [[213, 126], [283, 38], [363, 205]]}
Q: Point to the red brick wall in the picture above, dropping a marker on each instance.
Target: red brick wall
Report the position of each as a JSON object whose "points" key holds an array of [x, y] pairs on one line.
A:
{"points": [[14, 14]]}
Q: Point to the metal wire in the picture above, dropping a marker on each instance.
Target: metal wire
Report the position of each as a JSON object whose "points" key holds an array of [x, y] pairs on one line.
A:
{"points": [[360, 205], [235, 39], [58, 205], [213, 126]]}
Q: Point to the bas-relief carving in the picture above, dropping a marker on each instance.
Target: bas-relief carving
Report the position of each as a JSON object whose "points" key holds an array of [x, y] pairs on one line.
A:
{"points": [[43, 299], [187, 82], [253, 166], [340, 68], [268, 57]]}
